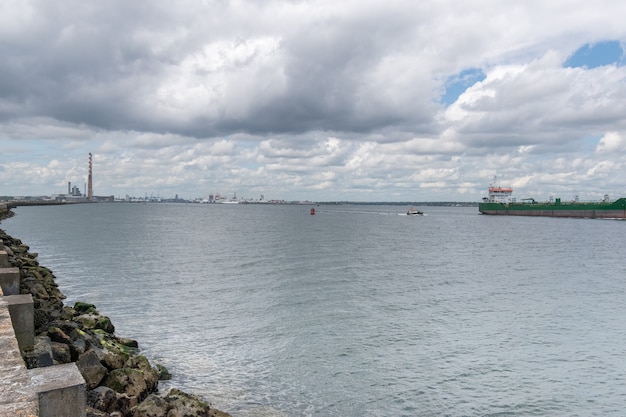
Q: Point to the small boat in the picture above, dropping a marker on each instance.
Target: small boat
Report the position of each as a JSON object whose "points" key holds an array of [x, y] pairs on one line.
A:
{"points": [[414, 212]]}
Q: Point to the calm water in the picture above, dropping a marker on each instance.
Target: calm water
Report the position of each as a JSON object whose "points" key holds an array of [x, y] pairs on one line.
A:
{"points": [[358, 310]]}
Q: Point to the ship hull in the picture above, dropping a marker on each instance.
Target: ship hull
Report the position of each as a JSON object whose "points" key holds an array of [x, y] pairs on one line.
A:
{"points": [[615, 210]]}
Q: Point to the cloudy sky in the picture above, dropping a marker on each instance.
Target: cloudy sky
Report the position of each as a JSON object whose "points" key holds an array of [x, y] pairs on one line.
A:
{"points": [[395, 100]]}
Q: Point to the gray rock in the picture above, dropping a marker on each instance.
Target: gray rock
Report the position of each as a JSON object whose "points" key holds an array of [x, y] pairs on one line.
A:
{"points": [[102, 399], [128, 381], [91, 369], [79, 344], [41, 355], [114, 358], [84, 307], [152, 406], [61, 352], [175, 404], [164, 374], [57, 335]]}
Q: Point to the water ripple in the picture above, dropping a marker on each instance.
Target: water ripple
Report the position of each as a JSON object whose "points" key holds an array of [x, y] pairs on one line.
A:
{"points": [[268, 311]]}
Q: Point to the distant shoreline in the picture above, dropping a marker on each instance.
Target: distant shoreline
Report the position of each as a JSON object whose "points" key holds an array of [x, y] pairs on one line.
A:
{"points": [[18, 203]]}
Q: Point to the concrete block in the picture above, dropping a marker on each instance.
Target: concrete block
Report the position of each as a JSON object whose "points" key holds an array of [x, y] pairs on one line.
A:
{"points": [[60, 390], [22, 313], [15, 381], [10, 281], [4, 258], [8, 344], [16, 397]]}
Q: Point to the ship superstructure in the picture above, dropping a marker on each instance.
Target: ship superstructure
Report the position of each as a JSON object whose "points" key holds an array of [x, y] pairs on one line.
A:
{"points": [[499, 194]]}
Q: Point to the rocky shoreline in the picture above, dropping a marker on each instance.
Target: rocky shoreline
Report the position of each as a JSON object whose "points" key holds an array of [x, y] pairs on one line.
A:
{"points": [[120, 382]]}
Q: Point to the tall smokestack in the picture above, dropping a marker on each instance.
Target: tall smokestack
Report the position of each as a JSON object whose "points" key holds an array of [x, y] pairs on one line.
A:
{"points": [[89, 184]]}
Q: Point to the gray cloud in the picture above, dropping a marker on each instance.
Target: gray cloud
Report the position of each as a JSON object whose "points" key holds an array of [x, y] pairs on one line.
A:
{"points": [[311, 99]]}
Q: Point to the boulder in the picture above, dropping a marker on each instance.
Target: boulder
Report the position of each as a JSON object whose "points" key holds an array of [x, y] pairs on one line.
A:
{"points": [[79, 343], [67, 326], [175, 404], [152, 406], [87, 321], [124, 404], [114, 358], [104, 323], [94, 321], [113, 355], [82, 307], [41, 355], [92, 370], [131, 343], [57, 335], [68, 313], [129, 381], [164, 374], [19, 248], [41, 319], [61, 352], [102, 399], [37, 290], [90, 340]]}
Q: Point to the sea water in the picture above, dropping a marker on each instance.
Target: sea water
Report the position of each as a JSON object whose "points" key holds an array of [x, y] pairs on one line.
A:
{"points": [[359, 310]]}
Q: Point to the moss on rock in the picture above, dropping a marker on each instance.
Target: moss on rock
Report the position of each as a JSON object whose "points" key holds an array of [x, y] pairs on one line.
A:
{"points": [[164, 373], [83, 307]]}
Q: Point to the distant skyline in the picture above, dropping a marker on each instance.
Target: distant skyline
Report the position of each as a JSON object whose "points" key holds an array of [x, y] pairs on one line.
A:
{"points": [[314, 100]]}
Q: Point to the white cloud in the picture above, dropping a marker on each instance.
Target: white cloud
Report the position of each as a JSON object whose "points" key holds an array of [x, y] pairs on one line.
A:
{"points": [[611, 142], [316, 99]]}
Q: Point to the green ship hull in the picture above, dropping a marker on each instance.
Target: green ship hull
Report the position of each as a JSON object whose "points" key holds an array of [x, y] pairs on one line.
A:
{"points": [[594, 210]]}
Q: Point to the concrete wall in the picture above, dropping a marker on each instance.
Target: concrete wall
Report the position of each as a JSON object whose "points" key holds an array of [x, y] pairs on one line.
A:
{"points": [[60, 390], [16, 397], [22, 313], [54, 391], [9, 280], [4, 259]]}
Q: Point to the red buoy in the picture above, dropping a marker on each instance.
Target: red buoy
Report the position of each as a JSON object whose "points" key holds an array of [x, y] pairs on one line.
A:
{"points": [[312, 211]]}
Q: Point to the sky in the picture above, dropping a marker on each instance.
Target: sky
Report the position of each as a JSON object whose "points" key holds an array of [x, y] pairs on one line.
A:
{"points": [[396, 100]]}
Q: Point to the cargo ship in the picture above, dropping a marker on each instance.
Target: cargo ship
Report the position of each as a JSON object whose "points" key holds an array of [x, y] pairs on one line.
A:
{"points": [[500, 202]]}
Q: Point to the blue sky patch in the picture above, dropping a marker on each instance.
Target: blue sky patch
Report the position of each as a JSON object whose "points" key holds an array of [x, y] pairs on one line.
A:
{"points": [[596, 55], [456, 84]]}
